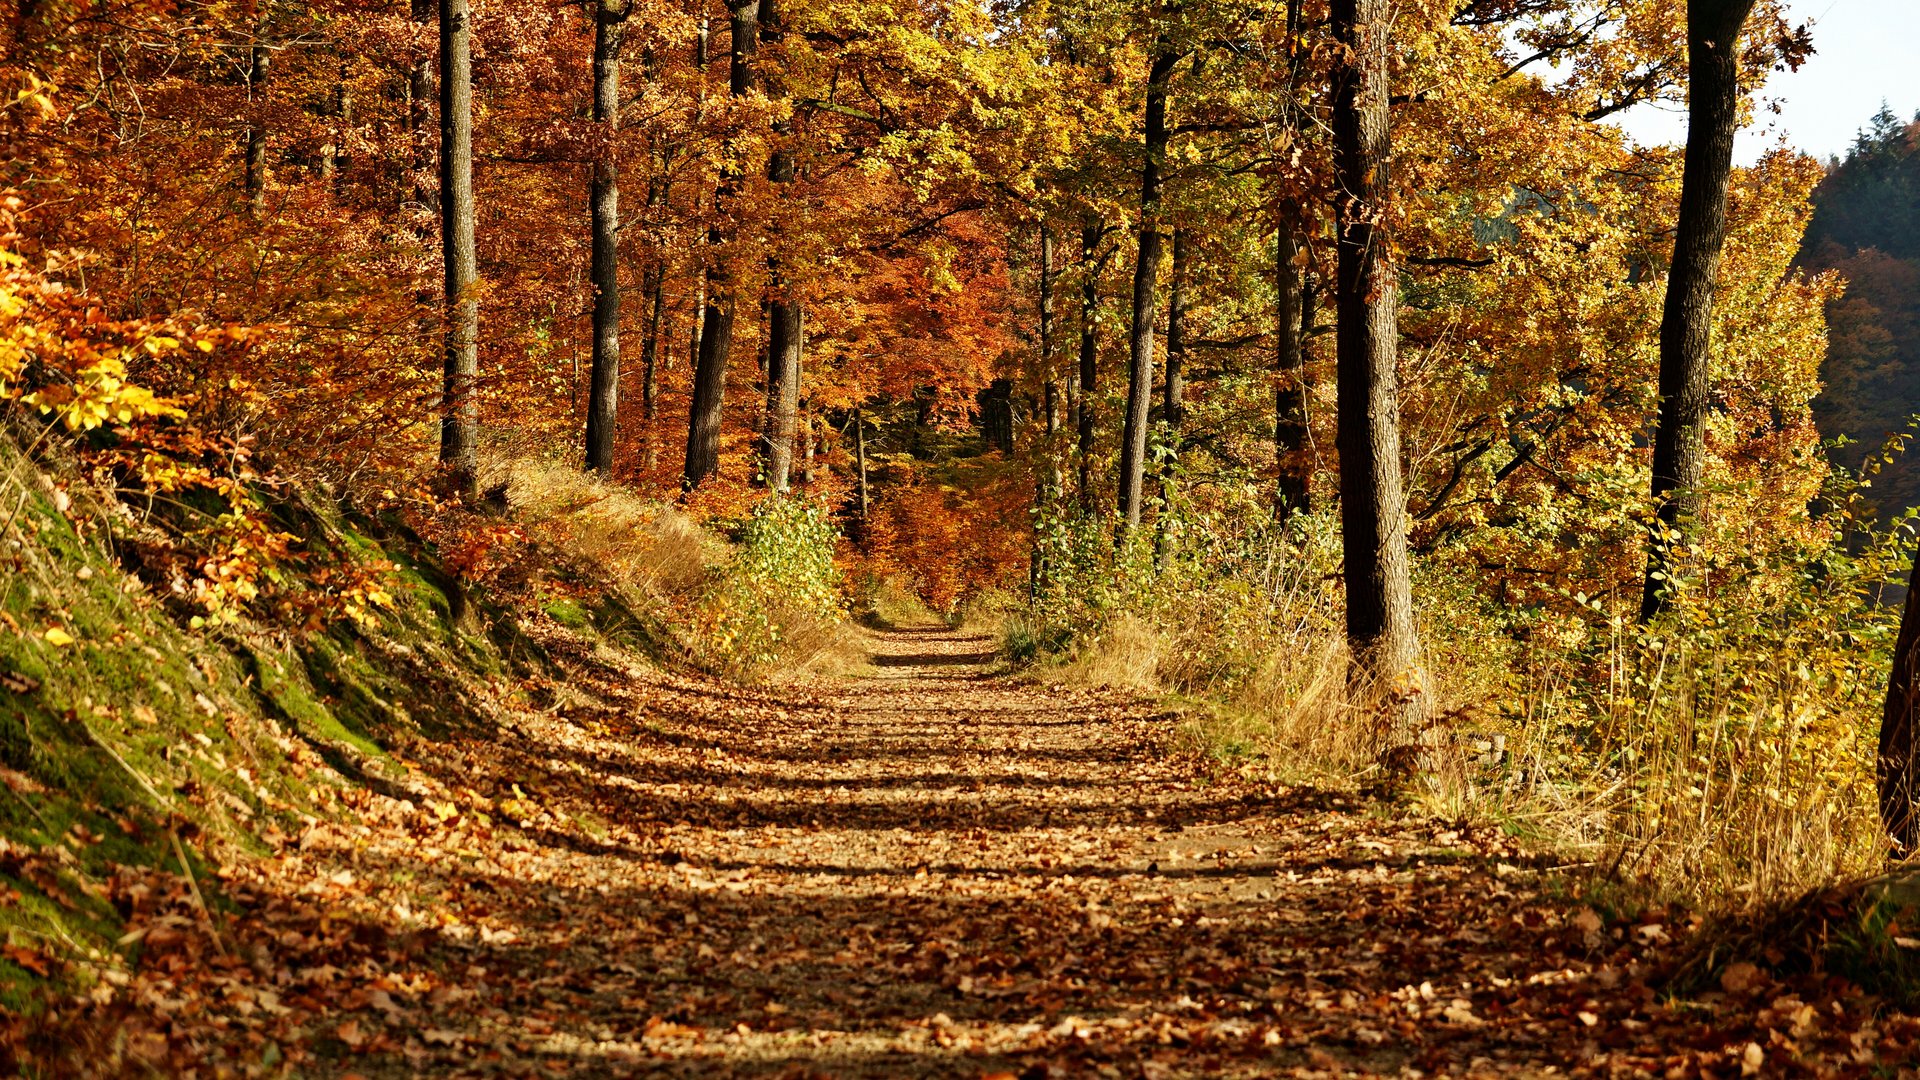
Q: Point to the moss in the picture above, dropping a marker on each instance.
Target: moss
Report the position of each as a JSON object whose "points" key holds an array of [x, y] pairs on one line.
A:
{"points": [[568, 613]]}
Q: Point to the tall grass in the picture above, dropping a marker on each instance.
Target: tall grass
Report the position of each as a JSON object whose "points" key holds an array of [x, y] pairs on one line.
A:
{"points": [[1723, 756], [761, 604]]}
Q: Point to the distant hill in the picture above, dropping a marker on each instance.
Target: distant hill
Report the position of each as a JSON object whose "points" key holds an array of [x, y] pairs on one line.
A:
{"points": [[1866, 225]]}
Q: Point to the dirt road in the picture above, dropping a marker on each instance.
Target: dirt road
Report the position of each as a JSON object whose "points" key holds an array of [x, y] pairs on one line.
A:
{"points": [[929, 870]]}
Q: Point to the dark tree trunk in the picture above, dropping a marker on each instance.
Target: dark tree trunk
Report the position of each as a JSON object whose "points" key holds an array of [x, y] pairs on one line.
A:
{"points": [[460, 417], [1050, 380], [1686, 324], [1146, 273], [603, 396], [1899, 766], [259, 61], [1090, 268], [656, 287], [420, 114], [1380, 624], [1173, 403], [860, 459], [1290, 391], [786, 326], [716, 338]]}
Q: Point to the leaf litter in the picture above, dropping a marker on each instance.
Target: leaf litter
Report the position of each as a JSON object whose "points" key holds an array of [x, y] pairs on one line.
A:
{"points": [[934, 871]]}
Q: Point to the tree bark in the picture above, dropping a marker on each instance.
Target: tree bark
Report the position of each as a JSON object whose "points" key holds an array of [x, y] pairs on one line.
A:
{"points": [[1146, 273], [420, 113], [460, 416], [603, 395], [1174, 388], [1380, 623], [1899, 765], [1053, 479], [716, 337], [1089, 353], [259, 61], [860, 458], [1173, 405], [786, 326], [1686, 323], [1290, 391]]}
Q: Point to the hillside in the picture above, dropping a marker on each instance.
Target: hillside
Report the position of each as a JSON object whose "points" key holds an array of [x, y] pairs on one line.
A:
{"points": [[1866, 228]]}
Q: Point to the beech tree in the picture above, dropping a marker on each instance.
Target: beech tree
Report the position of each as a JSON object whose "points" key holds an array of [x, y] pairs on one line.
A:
{"points": [[1373, 529], [1686, 322], [603, 402], [460, 416], [716, 334], [786, 315], [1146, 272]]}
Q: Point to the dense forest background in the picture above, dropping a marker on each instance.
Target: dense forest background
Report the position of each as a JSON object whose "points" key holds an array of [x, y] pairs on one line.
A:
{"points": [[1866, 226]]}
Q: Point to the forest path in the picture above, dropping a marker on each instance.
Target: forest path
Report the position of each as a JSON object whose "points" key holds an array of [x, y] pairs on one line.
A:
{"points": [[930, 870]]}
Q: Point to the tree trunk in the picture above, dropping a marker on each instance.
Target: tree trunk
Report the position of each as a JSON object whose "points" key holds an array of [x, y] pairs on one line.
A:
{"points": [[460, 417], [656, 286], [1380, 624], [860, 458], [1146, 272], [1089, 353], [1899, 766], [1686, 324], [420, 114], [1053, 479], [1290, 391], [1173, 405], [716, 338], [603, 395], [256, 177], [786, 326]]}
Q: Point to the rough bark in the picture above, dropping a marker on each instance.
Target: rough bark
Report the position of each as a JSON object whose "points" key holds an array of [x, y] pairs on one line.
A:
{"points": [[1052, 480], [1174, 386], [1083, 417], [420, 94], [786, 333], [1290, 391], [460, 409], [1899, 767], [716, 336], [1146, 273], [1686, 323], [603, 394], [1380, 623]]}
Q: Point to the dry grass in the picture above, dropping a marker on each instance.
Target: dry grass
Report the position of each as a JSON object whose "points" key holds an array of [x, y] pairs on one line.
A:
{"points": [[666, 563]]}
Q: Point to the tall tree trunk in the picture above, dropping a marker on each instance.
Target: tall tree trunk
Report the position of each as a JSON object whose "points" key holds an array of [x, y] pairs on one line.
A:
{"points": [[420, 113], [1146, 273], [1899, 757], [603, 395], [1289, 390], [1090, 268], [786, 325], [1380, 624], [1053, 479], [1173, 406], [1686, 324], [258, 63], [656, 287], [460, 418], [716, 338], [860, 457]]}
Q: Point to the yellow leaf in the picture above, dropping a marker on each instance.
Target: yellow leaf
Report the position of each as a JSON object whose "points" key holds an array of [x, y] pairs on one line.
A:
{"points": [[57, 637]]}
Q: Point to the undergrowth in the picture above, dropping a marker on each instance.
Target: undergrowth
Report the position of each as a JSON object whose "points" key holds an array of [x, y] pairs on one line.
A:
{"points": [[1721, 756]]}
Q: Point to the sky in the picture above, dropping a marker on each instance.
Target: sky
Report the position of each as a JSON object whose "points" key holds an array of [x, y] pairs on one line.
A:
{"points": [[1867, 51]]}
